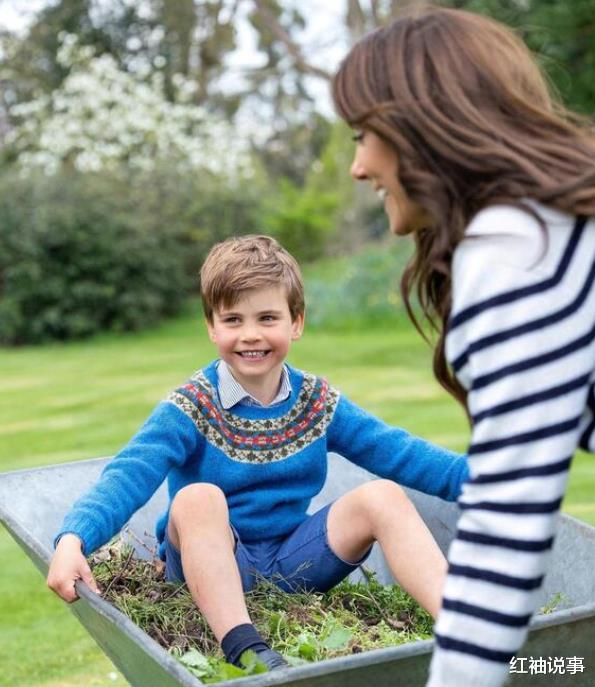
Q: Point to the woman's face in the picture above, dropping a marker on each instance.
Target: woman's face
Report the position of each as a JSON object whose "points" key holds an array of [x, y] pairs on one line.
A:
{"points": [[376, 161]]}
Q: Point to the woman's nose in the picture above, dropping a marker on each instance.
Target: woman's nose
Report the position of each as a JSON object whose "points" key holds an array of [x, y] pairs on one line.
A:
{"points": [[357, 170]]}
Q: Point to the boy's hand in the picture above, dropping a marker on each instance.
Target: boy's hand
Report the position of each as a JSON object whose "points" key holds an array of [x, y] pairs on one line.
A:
{"points": [[67, 566]]}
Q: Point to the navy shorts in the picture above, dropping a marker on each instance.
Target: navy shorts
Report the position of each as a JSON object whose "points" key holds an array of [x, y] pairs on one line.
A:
{"points": [[301, 561]]}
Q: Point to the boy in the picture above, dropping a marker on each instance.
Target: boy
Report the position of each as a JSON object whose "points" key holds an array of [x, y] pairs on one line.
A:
{"points": [[244, 447]]}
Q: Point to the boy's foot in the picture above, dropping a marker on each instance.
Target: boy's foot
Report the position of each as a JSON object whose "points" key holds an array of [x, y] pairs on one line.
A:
{"points": [[271, 659], [244, 638]]}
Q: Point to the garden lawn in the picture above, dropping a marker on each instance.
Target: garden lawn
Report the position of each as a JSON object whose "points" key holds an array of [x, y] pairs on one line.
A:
{"points": [[70, 402]]}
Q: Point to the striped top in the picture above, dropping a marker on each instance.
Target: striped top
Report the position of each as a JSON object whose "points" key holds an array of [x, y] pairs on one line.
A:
{"points": [[521, 342]]}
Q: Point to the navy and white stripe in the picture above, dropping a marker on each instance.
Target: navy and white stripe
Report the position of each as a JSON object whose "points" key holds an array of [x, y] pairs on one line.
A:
{"points": [[521, 340]]}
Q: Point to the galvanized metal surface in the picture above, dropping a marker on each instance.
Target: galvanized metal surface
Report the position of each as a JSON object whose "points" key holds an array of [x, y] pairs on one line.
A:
{"points": [[33, 503]]}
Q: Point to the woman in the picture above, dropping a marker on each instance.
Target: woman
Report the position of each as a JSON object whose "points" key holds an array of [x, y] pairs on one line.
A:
{"points": [[458, 133]]}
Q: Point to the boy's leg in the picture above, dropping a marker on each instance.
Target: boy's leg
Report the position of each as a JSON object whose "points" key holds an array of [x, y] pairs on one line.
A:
{"points": [[199, 529], [381, 511]]}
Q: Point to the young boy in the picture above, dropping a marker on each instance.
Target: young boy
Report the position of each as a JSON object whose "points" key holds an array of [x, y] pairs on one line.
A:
{"points": [[244, 447]]}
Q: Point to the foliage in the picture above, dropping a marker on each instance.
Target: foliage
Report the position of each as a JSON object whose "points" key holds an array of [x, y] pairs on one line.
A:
{"points": [[73, 260], [319, 216], [290, 150], [160, 34], [562, 34], [301, 219], [199, 209], [304, 626], [102, 117], [554, 603], [364, 293]]}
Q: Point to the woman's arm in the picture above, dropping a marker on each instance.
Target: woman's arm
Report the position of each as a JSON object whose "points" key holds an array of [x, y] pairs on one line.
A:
{"points": [[525, 354]]}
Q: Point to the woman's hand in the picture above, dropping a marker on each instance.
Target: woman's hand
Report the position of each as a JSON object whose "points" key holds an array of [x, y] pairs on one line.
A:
{"points": [[67, 566]]}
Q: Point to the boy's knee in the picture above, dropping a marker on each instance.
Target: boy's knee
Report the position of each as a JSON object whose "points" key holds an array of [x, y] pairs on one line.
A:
{"points": [[197, 499], [382, 496]]}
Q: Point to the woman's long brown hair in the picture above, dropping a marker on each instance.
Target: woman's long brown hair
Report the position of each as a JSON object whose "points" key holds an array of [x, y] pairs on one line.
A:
{"points": [[471, 118]]}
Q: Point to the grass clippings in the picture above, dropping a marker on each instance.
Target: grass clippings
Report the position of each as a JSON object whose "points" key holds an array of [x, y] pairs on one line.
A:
{"points": [[303, 627]]}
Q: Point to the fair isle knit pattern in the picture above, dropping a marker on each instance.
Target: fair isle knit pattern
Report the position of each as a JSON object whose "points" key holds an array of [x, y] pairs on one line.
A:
{"points": [[258, 441], [521, 341]]}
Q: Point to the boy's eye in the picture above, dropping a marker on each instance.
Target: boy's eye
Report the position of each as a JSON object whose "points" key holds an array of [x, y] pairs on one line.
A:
{"points": [[358, 136], [268, 318], [231, 319]]}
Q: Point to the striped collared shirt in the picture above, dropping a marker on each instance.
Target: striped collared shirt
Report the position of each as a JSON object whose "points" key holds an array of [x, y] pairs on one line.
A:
{"points": [[232, 392]]}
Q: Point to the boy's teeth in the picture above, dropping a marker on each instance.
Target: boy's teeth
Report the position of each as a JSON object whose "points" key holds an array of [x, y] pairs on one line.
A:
{"points": [[381, 193], [253, 354]]}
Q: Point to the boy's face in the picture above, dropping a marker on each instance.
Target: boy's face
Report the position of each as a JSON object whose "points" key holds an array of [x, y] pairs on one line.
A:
{"points": [[254, 335]]}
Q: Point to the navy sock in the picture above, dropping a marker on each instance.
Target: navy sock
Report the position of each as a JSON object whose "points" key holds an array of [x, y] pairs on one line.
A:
{"points": [[240, 639]]}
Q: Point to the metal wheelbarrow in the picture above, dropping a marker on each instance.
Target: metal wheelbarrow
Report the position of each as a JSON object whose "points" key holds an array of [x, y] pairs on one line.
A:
{"points": [[33, 503]]}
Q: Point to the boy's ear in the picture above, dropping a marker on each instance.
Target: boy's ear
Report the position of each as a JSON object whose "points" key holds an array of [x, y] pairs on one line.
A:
{"points": [[211, 330], [297, 327]]}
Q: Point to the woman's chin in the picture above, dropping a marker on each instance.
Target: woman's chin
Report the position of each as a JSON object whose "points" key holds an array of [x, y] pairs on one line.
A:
{"points": [[398, 228]]}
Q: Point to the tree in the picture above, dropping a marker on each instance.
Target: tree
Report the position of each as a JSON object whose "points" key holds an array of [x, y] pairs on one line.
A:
{"points": [[102, 116], [274, 102], [561, 34]]}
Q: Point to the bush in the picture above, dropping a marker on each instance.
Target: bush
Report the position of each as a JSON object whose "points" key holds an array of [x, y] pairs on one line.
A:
{"points": [[75, 260], [301, 219], [365, 290], [200, 210]]}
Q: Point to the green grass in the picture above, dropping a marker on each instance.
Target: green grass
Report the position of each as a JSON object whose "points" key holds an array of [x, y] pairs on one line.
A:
{"points": [[83, 400]]}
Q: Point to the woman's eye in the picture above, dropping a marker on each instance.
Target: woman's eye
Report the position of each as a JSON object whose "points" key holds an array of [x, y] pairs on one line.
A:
{"points": [[358, 136]]}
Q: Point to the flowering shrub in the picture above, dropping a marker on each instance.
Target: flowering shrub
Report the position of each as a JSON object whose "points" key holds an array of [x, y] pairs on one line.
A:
{"points": [[120, 193], [102, 117]]}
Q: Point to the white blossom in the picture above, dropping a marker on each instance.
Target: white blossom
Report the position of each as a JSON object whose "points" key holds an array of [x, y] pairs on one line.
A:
{"points": [[102, 116]]}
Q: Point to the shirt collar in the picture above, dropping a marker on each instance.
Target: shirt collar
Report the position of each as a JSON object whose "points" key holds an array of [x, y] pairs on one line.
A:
{"points": [[232, 392]]}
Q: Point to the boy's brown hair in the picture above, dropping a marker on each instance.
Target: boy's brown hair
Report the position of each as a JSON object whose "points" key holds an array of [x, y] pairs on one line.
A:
{"points": [[243, 263]]}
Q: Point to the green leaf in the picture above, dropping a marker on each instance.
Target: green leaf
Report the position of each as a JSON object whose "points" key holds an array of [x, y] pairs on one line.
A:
{"points": [[277, 622], [227, 671], [251, 663], [338, 639], [194, 659], [308, 646]]}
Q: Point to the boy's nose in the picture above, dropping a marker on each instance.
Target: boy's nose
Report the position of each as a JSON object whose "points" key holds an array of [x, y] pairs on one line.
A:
{"points": [[250, 333]]}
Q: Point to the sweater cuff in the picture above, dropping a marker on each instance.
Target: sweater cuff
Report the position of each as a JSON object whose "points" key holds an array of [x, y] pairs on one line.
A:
{"points": [[82, 533], [61, 534]]}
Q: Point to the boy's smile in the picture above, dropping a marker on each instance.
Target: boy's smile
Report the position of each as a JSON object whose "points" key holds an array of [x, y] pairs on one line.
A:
{"points": [[253, 337]]}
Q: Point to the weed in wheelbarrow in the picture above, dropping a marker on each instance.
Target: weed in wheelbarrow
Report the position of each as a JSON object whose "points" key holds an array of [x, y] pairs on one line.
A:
{"points": [[304, 626]]}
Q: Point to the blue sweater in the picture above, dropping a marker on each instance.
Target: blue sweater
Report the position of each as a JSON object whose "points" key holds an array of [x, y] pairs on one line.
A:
{"points": [[269, 462]]}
